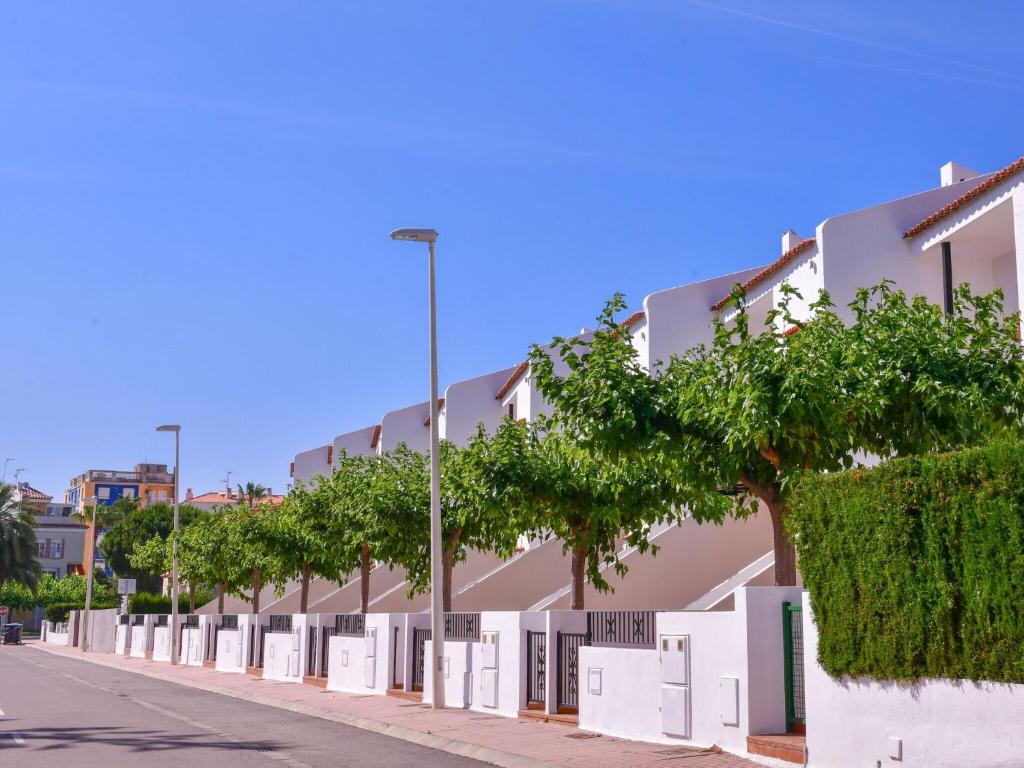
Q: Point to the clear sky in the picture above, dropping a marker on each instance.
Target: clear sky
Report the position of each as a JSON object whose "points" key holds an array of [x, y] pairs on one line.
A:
{"points": [[195, 197]]}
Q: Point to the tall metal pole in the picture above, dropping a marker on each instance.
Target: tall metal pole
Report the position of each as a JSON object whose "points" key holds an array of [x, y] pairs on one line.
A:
{"points": [[174, 552], [436, 569], [89, 577]]}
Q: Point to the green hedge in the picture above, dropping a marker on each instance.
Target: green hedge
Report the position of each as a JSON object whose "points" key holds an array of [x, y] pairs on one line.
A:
{"points": [[916, 567], [148, 602], [58, 612]]}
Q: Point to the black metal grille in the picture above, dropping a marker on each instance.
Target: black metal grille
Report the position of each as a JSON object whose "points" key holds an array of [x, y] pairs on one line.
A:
{"points": [[462, 626], [326, 633], [796, 624], [138, 620], [281, 623], [621, 629], [569, 669], [192, 620], [124, 618], [350, 624], [311, 653], [419, 638], [536, 666], [264, 630], [161, 621], [228, 622]]}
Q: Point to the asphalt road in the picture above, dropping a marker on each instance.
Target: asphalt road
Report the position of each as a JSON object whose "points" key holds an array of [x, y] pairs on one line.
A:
{"points": [[58, 711]]}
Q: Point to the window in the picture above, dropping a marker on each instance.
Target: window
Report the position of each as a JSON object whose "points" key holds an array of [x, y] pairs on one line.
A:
{"points": [[50, 549], [512, 411], [128, 493], [103, 493]]}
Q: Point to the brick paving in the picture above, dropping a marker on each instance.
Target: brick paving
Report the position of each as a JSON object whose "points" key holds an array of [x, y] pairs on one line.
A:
{"points": [[536, 744]]}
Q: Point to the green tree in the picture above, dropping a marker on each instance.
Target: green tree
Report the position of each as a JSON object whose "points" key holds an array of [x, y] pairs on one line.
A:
{"points": [[70, 590], [249, 533], [17, 596], [140, 525], [306, 537], [18, 561], [747, 414]]}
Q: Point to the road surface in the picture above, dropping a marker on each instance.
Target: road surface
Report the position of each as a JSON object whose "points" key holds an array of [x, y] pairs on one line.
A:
{"points": [[58, 711]]}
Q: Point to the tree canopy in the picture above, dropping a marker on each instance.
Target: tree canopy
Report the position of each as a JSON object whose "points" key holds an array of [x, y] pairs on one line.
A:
{"points": [[752, 410], [139, 525]]}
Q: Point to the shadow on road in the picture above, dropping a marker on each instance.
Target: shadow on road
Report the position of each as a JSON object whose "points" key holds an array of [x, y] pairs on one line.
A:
{"points": [[46, 739]]}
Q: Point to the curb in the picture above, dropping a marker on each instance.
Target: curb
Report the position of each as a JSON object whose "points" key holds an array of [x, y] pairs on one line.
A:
{"points": [[441, 743]]}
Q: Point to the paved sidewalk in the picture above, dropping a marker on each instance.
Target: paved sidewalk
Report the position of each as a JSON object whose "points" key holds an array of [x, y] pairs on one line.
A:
{"points": [[499, 740]]}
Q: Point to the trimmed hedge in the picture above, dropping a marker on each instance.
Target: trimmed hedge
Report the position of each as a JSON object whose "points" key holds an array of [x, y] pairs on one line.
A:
{"points": [[58, 612], [148, 602], [916, 567]]}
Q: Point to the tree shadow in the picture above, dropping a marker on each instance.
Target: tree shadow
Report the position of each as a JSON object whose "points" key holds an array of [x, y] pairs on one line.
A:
{"points": [[134, 739]]}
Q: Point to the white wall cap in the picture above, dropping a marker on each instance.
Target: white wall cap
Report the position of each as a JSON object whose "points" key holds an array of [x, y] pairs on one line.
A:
{"points": [[953, 173]]}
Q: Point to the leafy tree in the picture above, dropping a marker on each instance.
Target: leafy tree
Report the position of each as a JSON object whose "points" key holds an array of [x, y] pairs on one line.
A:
{"points": [[18, 561], [750, 412], [70, 590], [17, 596], [140, 524], [306, 538], [249, 533]]}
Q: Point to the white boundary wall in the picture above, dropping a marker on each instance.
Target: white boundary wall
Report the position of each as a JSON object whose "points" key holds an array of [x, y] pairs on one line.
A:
{"points": [[369, 663], [929, 724], [286, 654], [733, 684], [162, 642], [142, 636], [57, 638]]}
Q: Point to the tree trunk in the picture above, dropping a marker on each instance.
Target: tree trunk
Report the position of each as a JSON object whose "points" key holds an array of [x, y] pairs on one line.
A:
{"points": [[364, 577], [447, 566], [220, 597], [579, 571], [785, 552], [256, 586], [304, 595]]}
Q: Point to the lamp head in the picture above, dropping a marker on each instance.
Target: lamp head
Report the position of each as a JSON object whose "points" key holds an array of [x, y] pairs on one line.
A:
{"points": [[169, 428], [415, 234]]}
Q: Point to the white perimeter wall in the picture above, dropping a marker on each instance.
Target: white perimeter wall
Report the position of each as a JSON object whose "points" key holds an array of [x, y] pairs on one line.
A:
{"points": [[940, 723], [744, 644], [162, 643], [191, 652], [352, 668]]}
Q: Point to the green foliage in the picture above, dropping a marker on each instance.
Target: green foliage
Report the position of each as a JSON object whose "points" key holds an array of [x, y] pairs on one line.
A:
{"points": [[916, 567], [71, 589], [150, 602], [16, 596], [18, 561], [757, 407], [140, 524]]}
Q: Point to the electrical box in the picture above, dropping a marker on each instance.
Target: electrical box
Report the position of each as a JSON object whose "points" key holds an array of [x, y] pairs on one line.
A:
{"points": [[675, 711], [595, 681], [675, 659], [729, 700], [371, 641], [489, 645], [489, 687], [344, 658], [447, 667], [370, 671]]}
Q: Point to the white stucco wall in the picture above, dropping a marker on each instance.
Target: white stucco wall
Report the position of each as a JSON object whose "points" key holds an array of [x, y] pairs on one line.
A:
{"points": [[191, 652], [938, 723], [349, 657], [282, 655], [355, 443], [311, 463], [121, 637], [162, 643], [141, 635], [472, 402], [231, 650], [406, 425]]}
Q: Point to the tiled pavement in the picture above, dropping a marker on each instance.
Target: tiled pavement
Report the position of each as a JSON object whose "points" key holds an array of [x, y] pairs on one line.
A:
{"points": [[501, 740]]}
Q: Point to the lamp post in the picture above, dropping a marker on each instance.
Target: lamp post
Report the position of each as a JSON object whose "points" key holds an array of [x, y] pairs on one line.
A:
{"points": [[176, 429], [89, 578], [429, 236]]}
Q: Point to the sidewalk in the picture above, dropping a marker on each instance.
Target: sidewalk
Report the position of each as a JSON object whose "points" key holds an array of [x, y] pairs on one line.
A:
{"points": [[499, 740]]}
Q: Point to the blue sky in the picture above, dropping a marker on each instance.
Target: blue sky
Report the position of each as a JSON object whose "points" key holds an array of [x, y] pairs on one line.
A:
{"points": [[195, 198]]}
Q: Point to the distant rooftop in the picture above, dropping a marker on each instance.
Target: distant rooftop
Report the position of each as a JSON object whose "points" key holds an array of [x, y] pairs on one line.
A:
{"points": [[143, 473]]}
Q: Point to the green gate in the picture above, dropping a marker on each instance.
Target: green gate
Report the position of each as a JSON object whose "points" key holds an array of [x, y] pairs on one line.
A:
{"points": [[793, 642]]}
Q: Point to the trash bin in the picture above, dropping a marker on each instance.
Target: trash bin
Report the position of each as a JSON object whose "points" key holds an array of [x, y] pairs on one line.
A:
{"points": [[12, 634]]}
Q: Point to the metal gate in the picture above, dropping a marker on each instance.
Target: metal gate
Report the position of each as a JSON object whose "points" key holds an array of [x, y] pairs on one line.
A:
{"points": [[793, 642], [311, 645], [536, 668], [568, 669], [264, 631], [326, 633], [419, 637]]}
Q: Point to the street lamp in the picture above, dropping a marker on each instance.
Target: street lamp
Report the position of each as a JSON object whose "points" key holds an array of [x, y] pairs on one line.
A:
{"points": [[176, 429], [89, 577], [429, 236]]}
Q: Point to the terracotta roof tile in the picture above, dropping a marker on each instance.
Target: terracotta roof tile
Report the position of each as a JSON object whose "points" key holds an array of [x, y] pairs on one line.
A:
{"points": [[440, 405], [219, 497], [633, 319], [375, 437], [971, 194], [517, 374], [768, 271], [31, 494]]}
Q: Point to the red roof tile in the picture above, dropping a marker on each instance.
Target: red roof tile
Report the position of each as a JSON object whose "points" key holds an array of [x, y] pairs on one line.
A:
{"points": [[375, 437], [768, 271], [517, 374], [219, 497], [440, 404], [29, 493], [633, 319], [971, 194]]}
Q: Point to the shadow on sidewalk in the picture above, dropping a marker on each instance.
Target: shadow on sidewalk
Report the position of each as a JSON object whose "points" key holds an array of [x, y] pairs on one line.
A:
{"points": [[136, 740]]}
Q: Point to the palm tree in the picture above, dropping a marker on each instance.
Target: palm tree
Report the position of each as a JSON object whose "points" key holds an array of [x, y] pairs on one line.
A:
{"points": [[18, 561], [251, 494]]}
